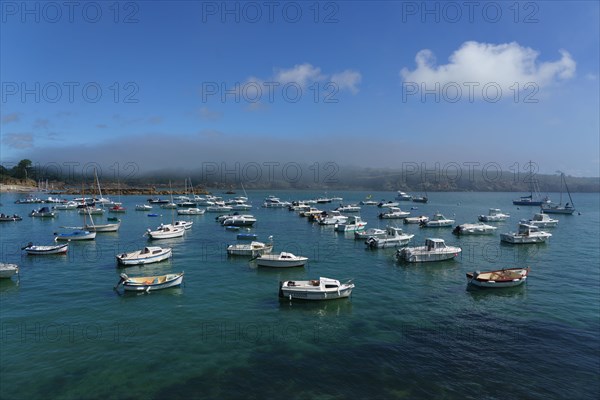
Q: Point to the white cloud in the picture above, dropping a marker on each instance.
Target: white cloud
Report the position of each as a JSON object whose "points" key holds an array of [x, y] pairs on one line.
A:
{"points": [[504, 64], [347, 80], [302, 74], [18, 140]]}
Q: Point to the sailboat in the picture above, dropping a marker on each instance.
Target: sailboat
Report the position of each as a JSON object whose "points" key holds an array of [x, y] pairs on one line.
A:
{"points": [[530, 200], [568, 208], [421, 199], [117, 207], [78, 233]]}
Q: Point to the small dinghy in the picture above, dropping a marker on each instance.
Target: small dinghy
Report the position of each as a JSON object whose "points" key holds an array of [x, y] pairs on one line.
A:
{"points": [[501, 278], [148, 283], [147, 255], [43, 250], [8, 270], [247, 236], [281, 260], [9, 218]]}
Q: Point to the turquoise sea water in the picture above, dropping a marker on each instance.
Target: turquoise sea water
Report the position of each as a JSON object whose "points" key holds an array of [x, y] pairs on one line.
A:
{"points": [[407, 332]]}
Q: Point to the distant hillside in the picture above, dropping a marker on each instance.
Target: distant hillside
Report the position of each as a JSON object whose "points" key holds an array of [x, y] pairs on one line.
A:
{"points": [[327, 176]]}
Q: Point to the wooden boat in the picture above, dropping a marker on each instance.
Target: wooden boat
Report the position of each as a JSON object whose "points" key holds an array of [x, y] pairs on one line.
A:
{"points": [[43, 250], [281, 260], [148, 283], [434, 250], [9, 218], [508, 277], [147, 255], [321, 289], [8, 270]]}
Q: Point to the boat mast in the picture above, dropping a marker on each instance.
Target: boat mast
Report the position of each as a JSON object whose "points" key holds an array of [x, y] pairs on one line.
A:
{"points": [[568, 191]]}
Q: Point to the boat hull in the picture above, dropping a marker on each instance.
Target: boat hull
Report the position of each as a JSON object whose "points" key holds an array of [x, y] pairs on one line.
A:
{"points": [[83, 235], [8, 270], [44, 250], [305, 291], [124, 260], [419, 255], [498, 279], [522, 239], [173, 280], [281, 263]]}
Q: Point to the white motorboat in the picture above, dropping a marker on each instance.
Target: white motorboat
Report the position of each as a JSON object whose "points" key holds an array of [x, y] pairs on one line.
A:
{"points": [[310, 212], [218, 208], [390, 203], [416, 220], [541, 220], [191, 211], [367, 233], [275, 202], [434, 250], [70, 205], [149, 283], [474, 229], [501, 278], [143, 207], [394, 213], [350, 208], [239, 220], [353, 223], [43, 250], [169, 206], [438, 221], [167, 231], [281, 260], [333, 218], [91, 211], [147, 255], [368, 203], [526, 234], [394, 238], [249, 249], [494, 215], [321, 289], [183, 224], [241, 207], [401, 196], [8, 270]]}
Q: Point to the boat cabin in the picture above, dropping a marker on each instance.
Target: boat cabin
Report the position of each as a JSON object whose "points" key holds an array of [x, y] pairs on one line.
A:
{"points": [[435, 244]]}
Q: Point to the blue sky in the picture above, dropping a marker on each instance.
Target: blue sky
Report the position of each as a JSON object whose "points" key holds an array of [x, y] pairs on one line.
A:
{"points": [[347, 80]]}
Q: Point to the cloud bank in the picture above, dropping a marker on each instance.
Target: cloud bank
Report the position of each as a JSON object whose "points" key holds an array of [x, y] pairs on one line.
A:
{"points": [[504, 64]]}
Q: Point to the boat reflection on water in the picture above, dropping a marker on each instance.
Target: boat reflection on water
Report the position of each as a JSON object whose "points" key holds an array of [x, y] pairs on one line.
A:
{"points": [[331, 308]]}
